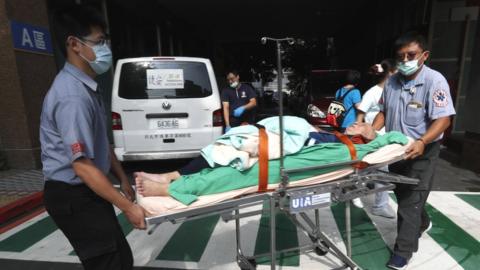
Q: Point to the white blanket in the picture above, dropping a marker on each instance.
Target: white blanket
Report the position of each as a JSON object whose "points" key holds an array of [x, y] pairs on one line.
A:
{"points": [[246, 155]]}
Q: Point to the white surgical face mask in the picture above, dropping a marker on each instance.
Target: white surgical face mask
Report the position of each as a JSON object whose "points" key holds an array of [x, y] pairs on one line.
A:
{"points": [[409, 67], [103, 58], [234, 84]]}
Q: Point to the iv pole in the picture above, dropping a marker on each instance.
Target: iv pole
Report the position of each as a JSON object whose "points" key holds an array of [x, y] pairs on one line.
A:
{"points": [[290, 41]]}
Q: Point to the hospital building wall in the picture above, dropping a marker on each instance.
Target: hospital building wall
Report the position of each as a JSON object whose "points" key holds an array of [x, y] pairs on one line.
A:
{"points": [[25, 77]]}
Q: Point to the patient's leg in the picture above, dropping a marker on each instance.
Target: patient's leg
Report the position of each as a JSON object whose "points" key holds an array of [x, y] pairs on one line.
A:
{"points": [[161, 177], [149, 184], [148, 187], [197, 164]]}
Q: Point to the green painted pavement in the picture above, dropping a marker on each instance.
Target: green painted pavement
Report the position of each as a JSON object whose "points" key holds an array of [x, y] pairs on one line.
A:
{"points": [[472, 199], [369, 250], [286, 237], [189, 241], [126, 226], [28, 236], [460, 245], [454, 240]]}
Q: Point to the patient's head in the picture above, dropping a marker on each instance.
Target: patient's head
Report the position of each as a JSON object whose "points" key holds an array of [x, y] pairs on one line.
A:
{"points": [[363, 129]]}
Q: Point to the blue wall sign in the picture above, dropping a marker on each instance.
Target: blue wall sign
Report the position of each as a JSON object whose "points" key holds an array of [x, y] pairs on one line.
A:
{"points": [[31, 38]]}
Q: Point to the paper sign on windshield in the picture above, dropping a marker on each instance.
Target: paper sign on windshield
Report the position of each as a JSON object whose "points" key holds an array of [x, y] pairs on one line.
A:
{"points": [[164, 78]]}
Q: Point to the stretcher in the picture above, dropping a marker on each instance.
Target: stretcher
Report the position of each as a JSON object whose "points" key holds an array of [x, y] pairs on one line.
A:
{"points": [[294, 199]]}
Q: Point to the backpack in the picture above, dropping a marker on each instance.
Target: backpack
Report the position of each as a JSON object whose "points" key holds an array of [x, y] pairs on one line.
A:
{"points": [[336, 110]]}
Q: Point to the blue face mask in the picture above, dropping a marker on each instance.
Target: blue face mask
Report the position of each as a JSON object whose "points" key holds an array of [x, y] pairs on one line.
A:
{"points": [[103, 58]]}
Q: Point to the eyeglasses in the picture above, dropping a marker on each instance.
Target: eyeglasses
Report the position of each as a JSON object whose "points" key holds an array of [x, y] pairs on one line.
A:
{"points": [[101, 42], [410, 56]]}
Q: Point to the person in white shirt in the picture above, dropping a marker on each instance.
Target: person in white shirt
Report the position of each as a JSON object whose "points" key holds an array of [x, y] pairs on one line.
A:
{"points": [[367, 110]]}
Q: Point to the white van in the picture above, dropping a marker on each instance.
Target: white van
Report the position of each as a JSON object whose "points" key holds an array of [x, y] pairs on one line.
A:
{"points": [[164, 108]]}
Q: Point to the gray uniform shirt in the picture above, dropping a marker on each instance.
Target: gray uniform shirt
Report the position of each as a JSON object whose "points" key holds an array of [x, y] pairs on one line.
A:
{"points": [[411, 106], [73, 125]]}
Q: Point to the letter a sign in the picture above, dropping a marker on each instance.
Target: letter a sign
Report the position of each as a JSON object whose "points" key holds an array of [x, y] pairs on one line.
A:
{"points": [[31, 38]]}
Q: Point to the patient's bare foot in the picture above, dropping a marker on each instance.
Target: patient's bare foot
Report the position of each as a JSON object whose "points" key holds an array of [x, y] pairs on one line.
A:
{"points": [[160, 178], [147, 187]]}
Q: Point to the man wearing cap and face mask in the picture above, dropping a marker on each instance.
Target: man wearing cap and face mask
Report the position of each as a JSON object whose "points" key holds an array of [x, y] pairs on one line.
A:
{"points": [[76, 154], [416, 101], [239, 101]]}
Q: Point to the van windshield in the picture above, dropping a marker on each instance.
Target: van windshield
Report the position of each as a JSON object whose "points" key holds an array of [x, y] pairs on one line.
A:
{"points": [[164, 80]]}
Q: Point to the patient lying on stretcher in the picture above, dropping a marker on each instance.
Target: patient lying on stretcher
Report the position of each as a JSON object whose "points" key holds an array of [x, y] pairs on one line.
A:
{"points": [[158, 184]]}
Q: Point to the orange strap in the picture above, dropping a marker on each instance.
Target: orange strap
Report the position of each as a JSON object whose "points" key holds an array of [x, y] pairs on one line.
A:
{"points": [[262, 159], [351, 148]]}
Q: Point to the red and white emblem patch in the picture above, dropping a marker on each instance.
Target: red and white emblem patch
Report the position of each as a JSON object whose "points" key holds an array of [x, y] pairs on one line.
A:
{"points": [[440, 98], [77, 148]]}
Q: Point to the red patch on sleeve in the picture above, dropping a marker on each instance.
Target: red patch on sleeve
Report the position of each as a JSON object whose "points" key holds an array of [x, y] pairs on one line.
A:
{"points": [[77, 148]]}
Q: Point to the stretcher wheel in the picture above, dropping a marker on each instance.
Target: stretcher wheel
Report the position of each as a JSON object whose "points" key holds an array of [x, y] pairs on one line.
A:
{"points": [[244, 266], [320, 252]]}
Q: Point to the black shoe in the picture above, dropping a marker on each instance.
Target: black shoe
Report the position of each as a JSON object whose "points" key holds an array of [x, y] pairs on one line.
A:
{"points": [[397, 262]]}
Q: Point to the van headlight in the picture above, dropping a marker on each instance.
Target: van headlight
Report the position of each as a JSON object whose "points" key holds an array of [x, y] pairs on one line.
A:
{"points": [[314, 111]]}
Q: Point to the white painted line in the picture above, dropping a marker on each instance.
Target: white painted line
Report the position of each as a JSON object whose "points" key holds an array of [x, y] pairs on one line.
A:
{"points": [[8, 255], [457, 210], [50, 258], [22, 226], [329, 227], [174, 264], [456, 192], [55, 243], [147, 247], [220, 252]]}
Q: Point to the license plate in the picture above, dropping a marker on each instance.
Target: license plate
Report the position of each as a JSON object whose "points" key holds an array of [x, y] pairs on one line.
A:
{"points": [[168, 124]]}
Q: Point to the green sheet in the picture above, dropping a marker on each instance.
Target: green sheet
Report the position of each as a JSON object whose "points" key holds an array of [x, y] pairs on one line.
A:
{"points": [[187, 188]]}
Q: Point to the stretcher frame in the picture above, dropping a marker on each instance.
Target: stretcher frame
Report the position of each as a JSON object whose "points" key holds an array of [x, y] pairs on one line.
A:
{"points": [[360, 183]]}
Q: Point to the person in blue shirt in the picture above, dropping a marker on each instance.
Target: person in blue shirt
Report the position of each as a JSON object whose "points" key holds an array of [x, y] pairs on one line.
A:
{"points": [[417, 102], [75, 151], [239, 101], [351, 98]]}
